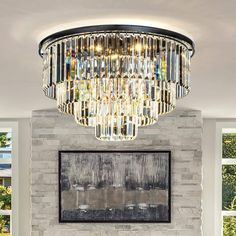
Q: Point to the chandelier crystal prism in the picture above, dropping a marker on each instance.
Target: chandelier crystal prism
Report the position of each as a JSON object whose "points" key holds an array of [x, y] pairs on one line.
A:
{"points": [[116, 78]]}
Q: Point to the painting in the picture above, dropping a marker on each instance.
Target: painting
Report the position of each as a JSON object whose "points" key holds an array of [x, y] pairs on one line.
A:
{"points": [[114, 186]]}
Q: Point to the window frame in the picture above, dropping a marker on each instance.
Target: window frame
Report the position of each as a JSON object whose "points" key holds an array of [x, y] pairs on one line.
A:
{"points": [[221, 127], [13, 126]]}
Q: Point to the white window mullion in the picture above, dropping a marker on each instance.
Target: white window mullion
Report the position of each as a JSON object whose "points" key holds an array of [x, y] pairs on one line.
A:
{"points": [[218, 182], [228, 213], [229, 161]]}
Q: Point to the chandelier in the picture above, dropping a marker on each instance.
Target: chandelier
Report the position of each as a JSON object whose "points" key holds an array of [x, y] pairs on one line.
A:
{"points": [[116, 78]]}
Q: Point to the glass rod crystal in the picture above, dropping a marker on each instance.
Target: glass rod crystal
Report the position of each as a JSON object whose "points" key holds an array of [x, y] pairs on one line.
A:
{"points": [[116, 81]]}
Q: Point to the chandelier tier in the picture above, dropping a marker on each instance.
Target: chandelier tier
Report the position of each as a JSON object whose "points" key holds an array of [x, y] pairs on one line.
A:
{"points": [[116, 77]]}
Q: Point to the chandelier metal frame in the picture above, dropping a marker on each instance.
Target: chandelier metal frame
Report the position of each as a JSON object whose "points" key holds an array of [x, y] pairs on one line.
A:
{"points": [[118, 28]]}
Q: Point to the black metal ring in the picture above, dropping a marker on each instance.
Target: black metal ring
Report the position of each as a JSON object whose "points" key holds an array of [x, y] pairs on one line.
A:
{"points": [[128, 28]]}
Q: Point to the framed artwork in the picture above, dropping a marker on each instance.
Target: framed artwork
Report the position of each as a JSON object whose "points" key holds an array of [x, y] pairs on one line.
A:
{"points": [[114, 186]]}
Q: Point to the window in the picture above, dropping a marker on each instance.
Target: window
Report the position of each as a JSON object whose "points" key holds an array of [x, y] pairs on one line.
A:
{"points": [[9, 155], [228, 163], [5, 181]]}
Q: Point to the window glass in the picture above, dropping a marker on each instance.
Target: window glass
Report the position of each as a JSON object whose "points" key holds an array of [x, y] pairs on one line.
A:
{"points": [[229, 225], [5, 182], [5, 155], [5, 225], [229, 145], [5, 140], [5, 166], [229, 187]]}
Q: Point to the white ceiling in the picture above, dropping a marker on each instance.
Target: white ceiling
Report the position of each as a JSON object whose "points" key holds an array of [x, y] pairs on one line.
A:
{"points": [[210, 23]]}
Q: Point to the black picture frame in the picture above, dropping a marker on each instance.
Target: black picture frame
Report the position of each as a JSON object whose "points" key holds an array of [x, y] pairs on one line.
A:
{"points": [[60, 153]]}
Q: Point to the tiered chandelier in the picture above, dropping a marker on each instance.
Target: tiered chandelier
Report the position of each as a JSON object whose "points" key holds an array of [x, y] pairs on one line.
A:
{"points": [[116, 77]]}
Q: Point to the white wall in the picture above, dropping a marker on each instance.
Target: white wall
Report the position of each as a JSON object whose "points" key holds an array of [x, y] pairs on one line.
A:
{"points": [[24, 176], [208, 146], [208, 160]]}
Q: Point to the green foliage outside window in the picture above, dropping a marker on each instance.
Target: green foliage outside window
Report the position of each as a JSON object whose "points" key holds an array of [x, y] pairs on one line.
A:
{"points": [[5, 193], [229, 146], [4, 225], [230, 221], [229, 184], [5, 204], [5, 198], [4, 140], [229, 226]]}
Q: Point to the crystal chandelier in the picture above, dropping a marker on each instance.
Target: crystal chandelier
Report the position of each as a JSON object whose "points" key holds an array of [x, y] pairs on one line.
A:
{"points": [[116, 78]]}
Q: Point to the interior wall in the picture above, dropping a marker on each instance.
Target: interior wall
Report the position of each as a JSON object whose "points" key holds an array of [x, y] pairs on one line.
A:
{"points": [[208, 160], [24, 129], [180, 132]]}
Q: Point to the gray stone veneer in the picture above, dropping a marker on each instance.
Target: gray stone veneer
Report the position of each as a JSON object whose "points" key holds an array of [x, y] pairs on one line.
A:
{"points": [[179, 131]]}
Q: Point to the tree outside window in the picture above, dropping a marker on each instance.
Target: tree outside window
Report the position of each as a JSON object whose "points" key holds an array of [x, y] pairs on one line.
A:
{"points": [[5, 183], [229, 183]]}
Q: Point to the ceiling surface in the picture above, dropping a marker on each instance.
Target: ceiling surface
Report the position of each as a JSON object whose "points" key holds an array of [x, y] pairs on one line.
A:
{"points": [[210, 23]]}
